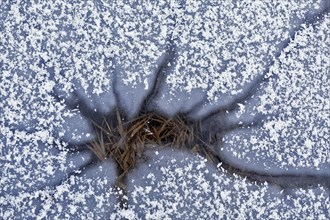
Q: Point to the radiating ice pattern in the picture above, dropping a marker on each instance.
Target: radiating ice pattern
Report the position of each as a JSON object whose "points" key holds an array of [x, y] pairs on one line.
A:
{"points": [[175, 181], [266, 63], [297, 99]]}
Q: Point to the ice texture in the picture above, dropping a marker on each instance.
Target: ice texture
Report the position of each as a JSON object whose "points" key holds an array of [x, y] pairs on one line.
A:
{"points": [[260, 69]]}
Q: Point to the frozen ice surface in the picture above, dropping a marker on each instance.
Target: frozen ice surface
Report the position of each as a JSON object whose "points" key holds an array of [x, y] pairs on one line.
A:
{"points": [[170, 184], [296, 136], [266, 63], [82, 196]]}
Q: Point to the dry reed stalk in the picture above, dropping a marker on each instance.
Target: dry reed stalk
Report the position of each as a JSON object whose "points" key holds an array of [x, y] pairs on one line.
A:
{"points": [[126, 141]]}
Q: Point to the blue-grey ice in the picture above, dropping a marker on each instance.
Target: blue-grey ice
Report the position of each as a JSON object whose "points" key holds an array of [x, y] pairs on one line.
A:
{"points": [[257, 71]]}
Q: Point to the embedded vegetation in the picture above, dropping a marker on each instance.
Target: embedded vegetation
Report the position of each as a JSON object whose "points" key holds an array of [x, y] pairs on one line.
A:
{"points": [[126, 141]]}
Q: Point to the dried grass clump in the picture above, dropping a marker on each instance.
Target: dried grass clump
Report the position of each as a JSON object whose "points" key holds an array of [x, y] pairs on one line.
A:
{"points": [[126, 141]]}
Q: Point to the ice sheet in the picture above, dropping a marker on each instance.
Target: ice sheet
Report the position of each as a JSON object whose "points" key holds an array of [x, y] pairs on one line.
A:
{"points": [[65, 63]]}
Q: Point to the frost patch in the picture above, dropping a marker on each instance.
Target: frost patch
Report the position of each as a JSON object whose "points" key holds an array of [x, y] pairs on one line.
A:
{"points": [[296, 98]]}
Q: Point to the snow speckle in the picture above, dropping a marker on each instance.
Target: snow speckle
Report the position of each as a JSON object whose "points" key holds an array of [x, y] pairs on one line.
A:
{"points": [[52, 49], [295, 102]]}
